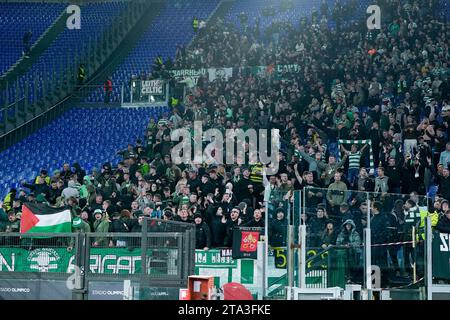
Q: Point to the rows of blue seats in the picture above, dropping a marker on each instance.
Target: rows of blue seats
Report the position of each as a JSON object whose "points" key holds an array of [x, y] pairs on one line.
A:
{"points": [[255, 8], [95, 19], [18, 18], [172, 27], [90, 136]]}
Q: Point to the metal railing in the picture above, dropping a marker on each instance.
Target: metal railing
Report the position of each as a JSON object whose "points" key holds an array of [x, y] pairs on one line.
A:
{"points": [[392, 259], [74, 263]]}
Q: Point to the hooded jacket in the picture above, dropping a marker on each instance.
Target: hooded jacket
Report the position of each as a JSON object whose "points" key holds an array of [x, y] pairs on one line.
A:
{"points": [[71, 190], [84, 193], [351, 237]]}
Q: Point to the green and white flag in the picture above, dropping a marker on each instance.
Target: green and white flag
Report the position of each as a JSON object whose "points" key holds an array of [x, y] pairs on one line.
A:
{"points": [[41, 218]]}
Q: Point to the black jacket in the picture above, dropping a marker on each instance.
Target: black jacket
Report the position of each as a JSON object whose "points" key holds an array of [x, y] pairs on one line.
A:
{"points": [[121, 225], [393, 227], [316, 228], [229, 230], [394, 174], [255, 224], [206, 188], [53, 194], [278, 232], [38, 188], [218, 231], [444, 187], [379, 229], [241, 189], [443, 225], [202, 236], [193, 184], [178, 219]]}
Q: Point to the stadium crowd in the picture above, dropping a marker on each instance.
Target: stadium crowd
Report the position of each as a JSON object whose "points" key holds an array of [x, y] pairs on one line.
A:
{"points": [[388, 86]]}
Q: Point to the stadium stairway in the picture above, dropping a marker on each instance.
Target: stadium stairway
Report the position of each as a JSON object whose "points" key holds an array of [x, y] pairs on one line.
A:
{"points": [[16, 18], [95, 82], [24, 63], [53, 76], [172, 27]]}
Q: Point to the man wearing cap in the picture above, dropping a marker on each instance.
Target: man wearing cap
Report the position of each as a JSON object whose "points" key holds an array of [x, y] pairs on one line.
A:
{"points": [[31, 198], [168, 214], [101, 225], [202, 233], [144, 167]]}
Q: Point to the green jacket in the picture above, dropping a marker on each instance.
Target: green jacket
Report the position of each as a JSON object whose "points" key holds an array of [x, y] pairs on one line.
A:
{"points": [[337, 193], [144, 168], [101, 226], [84, 193]]}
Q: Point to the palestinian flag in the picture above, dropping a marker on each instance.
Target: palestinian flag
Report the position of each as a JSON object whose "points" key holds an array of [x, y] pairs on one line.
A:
{"points": [[41, 218]]}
